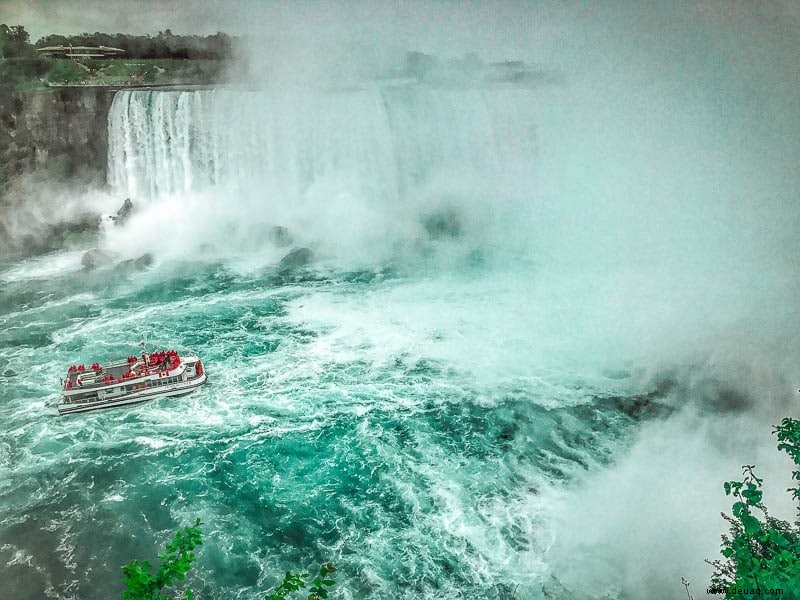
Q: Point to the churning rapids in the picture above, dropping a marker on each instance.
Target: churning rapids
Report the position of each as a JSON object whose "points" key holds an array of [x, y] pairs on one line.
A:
{"points": [[514, 368]]}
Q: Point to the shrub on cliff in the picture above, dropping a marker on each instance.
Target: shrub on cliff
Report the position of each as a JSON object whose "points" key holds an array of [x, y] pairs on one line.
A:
{"points": [[762, 553], [22, 73], [66, 71]]}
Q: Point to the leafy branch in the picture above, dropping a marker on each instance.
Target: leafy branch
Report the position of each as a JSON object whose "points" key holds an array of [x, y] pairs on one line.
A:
{"points": [[176, 561], [293, 582], [760, 551]]}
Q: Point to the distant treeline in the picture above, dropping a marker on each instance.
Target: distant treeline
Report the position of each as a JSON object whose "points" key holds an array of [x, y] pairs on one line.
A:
{"points": [[15, 43]]}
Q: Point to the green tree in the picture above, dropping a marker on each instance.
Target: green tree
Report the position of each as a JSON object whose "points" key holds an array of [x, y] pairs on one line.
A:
{"points": [[761, 552], [14, 42], [52, 39]]}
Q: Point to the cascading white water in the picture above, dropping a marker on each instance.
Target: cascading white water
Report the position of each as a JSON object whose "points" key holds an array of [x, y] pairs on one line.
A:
{"points": [[382, 143], [553, 422]]}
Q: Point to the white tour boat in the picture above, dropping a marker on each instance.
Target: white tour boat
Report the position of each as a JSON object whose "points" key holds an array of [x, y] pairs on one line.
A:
{"points": [[136, 379]]}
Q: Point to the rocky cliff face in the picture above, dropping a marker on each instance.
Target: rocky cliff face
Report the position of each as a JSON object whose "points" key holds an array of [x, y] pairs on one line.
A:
{"points": [[62, 130], [51, 141]]}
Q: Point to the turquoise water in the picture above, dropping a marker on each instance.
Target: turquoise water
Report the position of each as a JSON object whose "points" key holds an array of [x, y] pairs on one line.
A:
{"points": [[417, 476], [532, 342]]}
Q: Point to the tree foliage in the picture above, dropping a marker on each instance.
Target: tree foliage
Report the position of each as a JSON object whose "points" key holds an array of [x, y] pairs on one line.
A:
{"points": [[66, 71], [14, 42], [22, 72], [163, 58], [761, 552], [164, 45], [177, 559], [318, 585]]}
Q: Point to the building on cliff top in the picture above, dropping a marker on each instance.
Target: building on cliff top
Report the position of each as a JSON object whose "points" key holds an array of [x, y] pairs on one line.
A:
{"points": [[80, 52]]}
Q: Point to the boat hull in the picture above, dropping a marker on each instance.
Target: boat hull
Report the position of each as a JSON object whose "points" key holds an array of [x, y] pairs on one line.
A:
{"points": [[180, 388]]}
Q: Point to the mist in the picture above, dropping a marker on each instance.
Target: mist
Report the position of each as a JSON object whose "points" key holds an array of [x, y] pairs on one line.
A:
{"points": [[651, 227], [637, 214], [671, 197]]}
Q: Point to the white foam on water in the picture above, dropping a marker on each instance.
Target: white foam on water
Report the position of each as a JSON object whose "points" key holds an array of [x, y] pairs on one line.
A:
{"points": [[55, 264], [635, 225]]}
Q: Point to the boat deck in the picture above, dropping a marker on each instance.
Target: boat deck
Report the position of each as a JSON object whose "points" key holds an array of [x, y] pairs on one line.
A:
{"points": [[133, 380]]}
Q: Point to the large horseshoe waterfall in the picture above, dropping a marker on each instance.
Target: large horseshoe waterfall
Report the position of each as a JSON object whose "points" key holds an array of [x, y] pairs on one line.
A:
{"points": [[466, 336], [383, 142]]}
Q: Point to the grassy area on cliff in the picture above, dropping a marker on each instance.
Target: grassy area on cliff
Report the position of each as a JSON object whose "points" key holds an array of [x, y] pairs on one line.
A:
{"points": [[137, 60], [25, 74]]}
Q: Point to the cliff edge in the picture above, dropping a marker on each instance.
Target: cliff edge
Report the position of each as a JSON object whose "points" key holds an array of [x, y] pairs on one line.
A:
{"points": [[50, 140], [62, 130]]}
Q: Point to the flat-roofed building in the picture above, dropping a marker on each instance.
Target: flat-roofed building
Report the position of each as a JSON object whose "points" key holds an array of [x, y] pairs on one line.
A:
{"points": [[80, 52]]}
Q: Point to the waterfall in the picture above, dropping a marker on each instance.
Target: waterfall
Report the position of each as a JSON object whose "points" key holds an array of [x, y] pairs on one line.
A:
{"points": [[382, 143]]}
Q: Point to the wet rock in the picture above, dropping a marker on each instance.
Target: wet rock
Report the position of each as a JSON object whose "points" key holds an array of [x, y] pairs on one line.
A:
{"points": [[94, 258], [80, 230], [444, 223], [123, 213], [31, 246], [41, 238], [135, 264], [296, 258], [58, 135], [144, 261], [280, 237]]}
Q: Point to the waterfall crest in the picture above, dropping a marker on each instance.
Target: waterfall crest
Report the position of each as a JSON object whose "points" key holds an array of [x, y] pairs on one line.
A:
{"points": [[381, 143]]}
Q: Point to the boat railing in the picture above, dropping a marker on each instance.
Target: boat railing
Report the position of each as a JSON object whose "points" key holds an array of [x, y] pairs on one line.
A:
{"points": [[92, 380]]}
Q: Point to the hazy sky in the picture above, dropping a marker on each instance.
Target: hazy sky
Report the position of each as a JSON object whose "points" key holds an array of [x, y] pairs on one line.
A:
{"points": [[428, 24], [496, 30]]}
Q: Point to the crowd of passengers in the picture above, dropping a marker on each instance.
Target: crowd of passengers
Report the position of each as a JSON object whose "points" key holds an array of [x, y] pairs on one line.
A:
{"points": [[161, 362]]}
